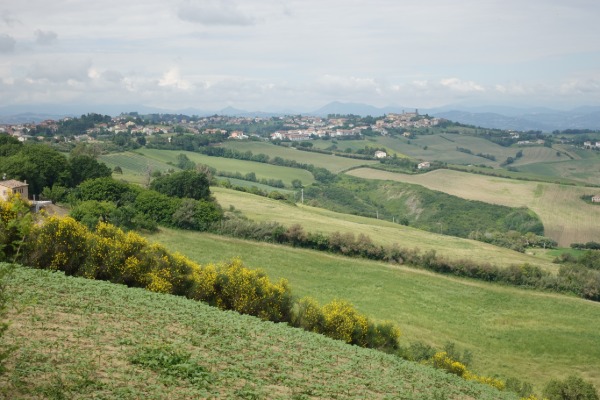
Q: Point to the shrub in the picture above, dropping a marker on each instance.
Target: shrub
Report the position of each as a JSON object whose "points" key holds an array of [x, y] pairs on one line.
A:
{"points": [[308, 315], [58, 244], [572, 388], [16, 222], [251, 292], [105, 189], [343, 322], [190, 184]]}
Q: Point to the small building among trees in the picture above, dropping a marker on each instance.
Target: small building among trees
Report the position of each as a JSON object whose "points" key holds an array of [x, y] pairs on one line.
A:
{"points": [[596, 198], [11, 187]]}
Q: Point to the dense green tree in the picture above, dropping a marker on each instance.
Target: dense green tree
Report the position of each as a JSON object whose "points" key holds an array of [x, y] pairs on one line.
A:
{"points": [[184, 162], [9, 145], [190, 184], [38, 164], [91, 212], [157, 206], [107, 189], [84, 167]]}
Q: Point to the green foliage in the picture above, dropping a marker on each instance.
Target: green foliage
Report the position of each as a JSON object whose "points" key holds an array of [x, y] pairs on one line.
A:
{"points": [[420, 207], [572, 388], [5, 349], [85, 167], [16, 222], [523, 389], [90, 212], [56, 193], [126, 217], [106, 189], [173, 362], [38, 164], [185, 163], [190, 184], [157, 206], [9, 145]]}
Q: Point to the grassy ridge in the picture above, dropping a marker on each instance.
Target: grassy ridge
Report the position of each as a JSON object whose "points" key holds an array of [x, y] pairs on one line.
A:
{"points": [[383, 232], [78, 338], [531, 335], [267, 171], [566, 218], [331, 163], [135, 164]]}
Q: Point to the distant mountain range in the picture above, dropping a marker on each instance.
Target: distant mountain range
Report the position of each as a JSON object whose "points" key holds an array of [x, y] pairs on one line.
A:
{"points": [[519, 119]]}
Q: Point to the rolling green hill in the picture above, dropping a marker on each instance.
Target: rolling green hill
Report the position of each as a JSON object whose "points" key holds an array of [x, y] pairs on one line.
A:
{"points": [[527, 334], [332, 163], [566, 218], [315, 219], [77, 338], [134, 165]]}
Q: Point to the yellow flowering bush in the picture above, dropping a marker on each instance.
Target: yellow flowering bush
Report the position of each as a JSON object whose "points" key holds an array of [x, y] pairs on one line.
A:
{"points": [[204, 283], [343, 322], [58, 244], [16, 222], [441, 360], [497, 383], [251, 292]]}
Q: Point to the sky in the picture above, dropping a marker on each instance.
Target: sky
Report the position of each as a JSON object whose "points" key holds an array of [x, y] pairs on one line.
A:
{"points": [[298, 55]]}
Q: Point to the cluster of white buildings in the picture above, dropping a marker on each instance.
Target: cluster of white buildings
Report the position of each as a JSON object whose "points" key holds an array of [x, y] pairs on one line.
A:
{"points": [[591, 145]]}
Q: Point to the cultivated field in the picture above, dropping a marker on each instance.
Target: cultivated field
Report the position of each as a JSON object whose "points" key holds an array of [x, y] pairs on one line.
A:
{"points": [[441, 147], [381, 232], [584, 167], [134, 165], [77, 338], [330, 162], [566, 218], [527, 334]]}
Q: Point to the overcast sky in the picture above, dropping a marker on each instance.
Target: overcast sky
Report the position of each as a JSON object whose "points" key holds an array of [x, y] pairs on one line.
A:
{"points": [[300, 54]]}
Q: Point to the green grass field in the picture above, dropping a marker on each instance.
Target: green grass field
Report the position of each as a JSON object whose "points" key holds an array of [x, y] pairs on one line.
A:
{"points": [[441, 147], [135, 164], [382, 232], [267, 171], [566, 218], [527, 334], [332, 163], [584, 168], [78, 338]]}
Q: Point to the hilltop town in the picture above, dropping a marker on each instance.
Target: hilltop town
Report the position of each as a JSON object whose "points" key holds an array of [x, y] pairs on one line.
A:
{"points": [[292, 128]]}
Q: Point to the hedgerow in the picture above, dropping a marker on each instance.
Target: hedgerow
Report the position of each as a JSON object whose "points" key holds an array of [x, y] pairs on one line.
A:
{"points": [[109, 253]]}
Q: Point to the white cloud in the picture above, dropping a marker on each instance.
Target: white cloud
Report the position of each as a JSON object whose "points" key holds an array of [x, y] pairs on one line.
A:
{"points": [[172, 78], [461, 86], [347, 84], [590, 85]]}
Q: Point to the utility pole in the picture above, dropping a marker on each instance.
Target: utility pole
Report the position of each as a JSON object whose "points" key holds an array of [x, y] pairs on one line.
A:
{"points": [[302, 195]]}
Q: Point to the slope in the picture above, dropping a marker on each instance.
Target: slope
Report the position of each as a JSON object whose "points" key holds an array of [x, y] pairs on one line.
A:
{"points": [[78, 338], [566, 218]]}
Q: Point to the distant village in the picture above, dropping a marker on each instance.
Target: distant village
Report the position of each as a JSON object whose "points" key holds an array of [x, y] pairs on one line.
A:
{"points": [[293, 128]]}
